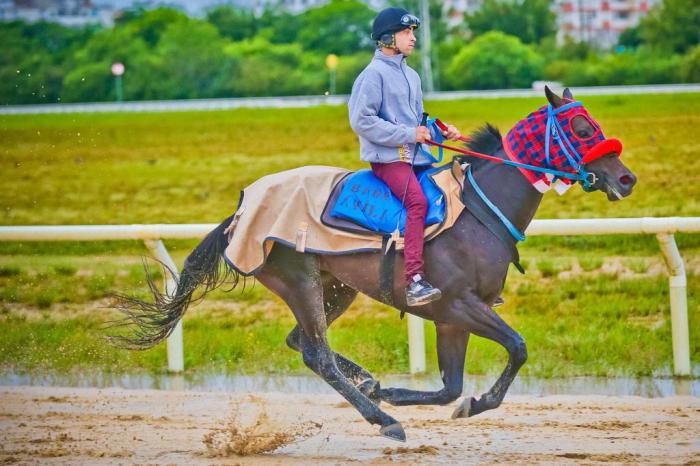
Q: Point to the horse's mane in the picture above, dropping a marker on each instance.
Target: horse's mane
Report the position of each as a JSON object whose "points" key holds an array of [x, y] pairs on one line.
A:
{"points": [[486, 140]]}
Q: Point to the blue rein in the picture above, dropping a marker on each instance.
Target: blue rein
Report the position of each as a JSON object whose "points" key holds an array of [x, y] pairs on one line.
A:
{"points": [[437, 136]]}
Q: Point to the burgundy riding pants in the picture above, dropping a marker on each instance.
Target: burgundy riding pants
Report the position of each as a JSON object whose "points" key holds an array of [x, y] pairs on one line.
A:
{"points": [[396, 175]]}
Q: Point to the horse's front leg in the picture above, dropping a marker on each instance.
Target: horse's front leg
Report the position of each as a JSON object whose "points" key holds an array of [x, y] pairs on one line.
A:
{"points": [[484, 322], [451, 349]]}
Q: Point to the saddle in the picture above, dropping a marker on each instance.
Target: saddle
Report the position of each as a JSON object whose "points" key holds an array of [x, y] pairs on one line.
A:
{"points": [[362, 203]]}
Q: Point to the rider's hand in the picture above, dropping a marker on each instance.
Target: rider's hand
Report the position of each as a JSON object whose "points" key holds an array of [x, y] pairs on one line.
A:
{"points": [[422, 134], [452, 133]]}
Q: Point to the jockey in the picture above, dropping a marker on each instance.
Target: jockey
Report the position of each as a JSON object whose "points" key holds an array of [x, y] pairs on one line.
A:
{"points": [[385, 109]]}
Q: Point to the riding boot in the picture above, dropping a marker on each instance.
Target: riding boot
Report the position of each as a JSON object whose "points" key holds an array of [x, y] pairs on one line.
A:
{"points": [[420, 292]]}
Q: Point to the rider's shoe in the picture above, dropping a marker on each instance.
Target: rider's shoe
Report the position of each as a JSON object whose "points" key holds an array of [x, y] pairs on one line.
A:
{"points": [[420, 292], [499, 302]]}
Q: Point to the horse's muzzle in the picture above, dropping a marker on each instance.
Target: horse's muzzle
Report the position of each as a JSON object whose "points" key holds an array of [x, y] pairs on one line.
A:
{"points": [[621, 187]]}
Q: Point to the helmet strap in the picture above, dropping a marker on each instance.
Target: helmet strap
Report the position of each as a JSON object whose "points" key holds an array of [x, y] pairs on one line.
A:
{"points": [[388, 41]]}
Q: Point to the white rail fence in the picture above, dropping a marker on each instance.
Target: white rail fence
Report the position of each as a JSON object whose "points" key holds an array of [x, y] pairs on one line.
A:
{"points": [[315, 100], [152, 235]]}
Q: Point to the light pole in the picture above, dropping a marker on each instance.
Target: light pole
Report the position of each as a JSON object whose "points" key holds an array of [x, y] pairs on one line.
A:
{"points": [[332, 64], [118, 71], [425, 56]]}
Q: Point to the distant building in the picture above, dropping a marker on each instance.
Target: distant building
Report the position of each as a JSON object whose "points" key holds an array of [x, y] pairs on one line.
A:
{"points": [[71, 13], [598, 22], [454, 10], [291, 6]]}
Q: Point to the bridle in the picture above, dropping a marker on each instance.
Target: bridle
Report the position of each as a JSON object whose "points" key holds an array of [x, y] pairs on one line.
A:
{"points": [[554, 134]]}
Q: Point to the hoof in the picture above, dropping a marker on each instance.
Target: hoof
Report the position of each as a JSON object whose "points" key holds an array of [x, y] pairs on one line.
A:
{"points": [[474, 408], [465, 408], [394, 432], [370, 388]]}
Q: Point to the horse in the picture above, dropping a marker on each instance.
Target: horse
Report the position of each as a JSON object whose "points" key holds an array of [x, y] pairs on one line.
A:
{"points": [[467, 262]]}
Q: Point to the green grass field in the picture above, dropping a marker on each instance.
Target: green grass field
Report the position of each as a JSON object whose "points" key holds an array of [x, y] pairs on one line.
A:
{"points": [[587, 306]]}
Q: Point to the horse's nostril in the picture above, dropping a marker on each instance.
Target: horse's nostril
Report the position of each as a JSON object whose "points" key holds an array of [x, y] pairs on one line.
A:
{"points": [[626, 180]]}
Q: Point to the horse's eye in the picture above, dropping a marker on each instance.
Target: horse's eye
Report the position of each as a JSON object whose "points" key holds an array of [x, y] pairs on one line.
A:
{"points": [[582, 133]]}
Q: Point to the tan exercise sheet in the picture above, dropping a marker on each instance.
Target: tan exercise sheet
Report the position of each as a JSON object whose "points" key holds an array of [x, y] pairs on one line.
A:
{"points": [[286, 207]]}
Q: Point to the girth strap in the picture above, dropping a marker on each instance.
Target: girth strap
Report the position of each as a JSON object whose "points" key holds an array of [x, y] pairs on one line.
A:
{"points": [[386, 270]]}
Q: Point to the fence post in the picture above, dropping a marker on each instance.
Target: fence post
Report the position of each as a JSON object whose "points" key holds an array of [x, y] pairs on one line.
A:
{"points": [[679, 303], [416, 344], [176, 359]]}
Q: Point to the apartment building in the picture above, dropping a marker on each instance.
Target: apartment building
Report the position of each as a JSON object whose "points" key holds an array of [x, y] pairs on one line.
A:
{"points": [[298, 6], [598, 22], [71, 13], [454, 10]]}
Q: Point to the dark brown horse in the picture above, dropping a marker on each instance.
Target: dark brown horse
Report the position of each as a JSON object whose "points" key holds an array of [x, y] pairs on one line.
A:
{"points": [[467, 262]]}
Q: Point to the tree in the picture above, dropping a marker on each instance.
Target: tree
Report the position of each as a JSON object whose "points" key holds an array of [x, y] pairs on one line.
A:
{"points": [[572, 49], [275, 69], [56, 39], [530, 20], [640, 66], [193, 62], [630, 37], [279, 27], [349, 66], [233, 23], [690, 69], [88, 83], [149, 25], [673, 25], [33, 60], [340, 27], [495, 61], [88, 76]]}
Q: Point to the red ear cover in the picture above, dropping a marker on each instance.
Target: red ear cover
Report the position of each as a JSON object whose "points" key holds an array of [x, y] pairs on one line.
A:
{"points": [[605, 147]]}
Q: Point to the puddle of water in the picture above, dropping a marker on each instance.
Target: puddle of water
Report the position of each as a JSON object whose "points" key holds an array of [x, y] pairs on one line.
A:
{"points": [[649, 387]]}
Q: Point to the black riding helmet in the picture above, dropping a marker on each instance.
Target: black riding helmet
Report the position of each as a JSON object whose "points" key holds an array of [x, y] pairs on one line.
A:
{"points": [[391, 21]]}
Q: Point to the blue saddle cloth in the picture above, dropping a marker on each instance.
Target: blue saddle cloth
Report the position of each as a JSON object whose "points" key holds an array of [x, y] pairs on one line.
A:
{"points": [[367, 201]]}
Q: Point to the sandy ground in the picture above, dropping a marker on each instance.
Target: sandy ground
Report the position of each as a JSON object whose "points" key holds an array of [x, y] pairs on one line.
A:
{"points": [[49, 425]]}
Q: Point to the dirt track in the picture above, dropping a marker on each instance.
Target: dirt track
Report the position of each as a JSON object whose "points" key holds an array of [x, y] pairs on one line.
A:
{"points": [[113, 426]]}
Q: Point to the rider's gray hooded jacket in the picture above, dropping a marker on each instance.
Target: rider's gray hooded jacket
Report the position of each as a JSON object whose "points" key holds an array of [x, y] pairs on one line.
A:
{"points": [[385, 107]]}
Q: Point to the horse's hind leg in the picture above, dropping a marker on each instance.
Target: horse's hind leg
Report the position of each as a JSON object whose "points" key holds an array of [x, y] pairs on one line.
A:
{"points": [[296, 278], [337, 297]]}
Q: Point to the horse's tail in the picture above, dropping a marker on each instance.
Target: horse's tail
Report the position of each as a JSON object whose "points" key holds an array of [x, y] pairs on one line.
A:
{"points": [[149, 323]]}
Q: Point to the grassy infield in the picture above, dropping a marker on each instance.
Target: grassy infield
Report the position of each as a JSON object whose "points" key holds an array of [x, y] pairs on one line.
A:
{"points": [[587, 306]]}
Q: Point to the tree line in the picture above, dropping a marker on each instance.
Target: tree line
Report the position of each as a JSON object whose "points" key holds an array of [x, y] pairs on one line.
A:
{"points": [[232, 52]]}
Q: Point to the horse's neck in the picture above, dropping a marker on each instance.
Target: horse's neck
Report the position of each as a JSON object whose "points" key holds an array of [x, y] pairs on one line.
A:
{"points": [[509, 190]]}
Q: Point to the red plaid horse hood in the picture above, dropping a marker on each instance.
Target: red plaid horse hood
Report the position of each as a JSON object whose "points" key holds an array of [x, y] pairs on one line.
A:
{"points": [[546, 138]]}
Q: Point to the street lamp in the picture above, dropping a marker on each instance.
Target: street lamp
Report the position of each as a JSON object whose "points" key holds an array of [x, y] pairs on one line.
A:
{"points": [[332, 64], [118, 71], [426, 64]]}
